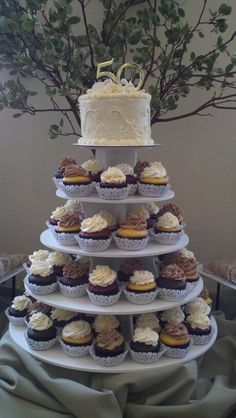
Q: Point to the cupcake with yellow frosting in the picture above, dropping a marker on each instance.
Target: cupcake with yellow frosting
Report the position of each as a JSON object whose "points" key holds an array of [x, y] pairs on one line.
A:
{"points": [[145, 345], [199, 328], [141, 288], [76, 338], [132, 234], [153, 180], [113, 184], [76, 181], [175, 339], [94, 169], [103, 287], [167, 229], [94, 235], [58, 176], [41, 279], [109, 348], [68, 225]]}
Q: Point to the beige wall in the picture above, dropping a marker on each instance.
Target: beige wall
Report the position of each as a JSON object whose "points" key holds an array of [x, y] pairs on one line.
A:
{"points": [[199, 153]]}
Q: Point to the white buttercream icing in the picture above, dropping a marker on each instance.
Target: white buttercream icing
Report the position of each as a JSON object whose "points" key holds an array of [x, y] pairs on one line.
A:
{"points": [[56, 258], [127, 169], [20, 303], [41, 268], [39, 255], [62, 315], [58, 213], [149, 320], [113, 175], [105, 323], [142, 277], [94, 224], [108, 217], [40, 321], [72, 206], [152, 208], [186, 253], [199, 321], [140, 211], [109, 87], [92, 166], [154, 170], [146, 336], [197, 306], [102, 276], [173, 314], [168, 221], [76, 329]]}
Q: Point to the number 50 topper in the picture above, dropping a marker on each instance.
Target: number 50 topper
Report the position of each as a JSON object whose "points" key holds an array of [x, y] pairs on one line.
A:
{"points": [[117, 78]]}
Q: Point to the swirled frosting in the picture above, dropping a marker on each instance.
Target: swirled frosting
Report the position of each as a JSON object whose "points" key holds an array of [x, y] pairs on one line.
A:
{"points": [[39, 255], [152, 208], [172, 208], [130, 265], [175, 329], [127, 169], [197, 306], [173, 272], [173, 314], [167, 221], [139, 167], [74, 270], [75, 170], [56, 258], [113, 175], [105, 323], [20, 303], [109, 340], [58, 213], [135, 221], [38, 307], [73, 206], [146, 336], [65, 162], [40, 322], [94, 224], [41, 268], [199, 320], [62, 315], [109, 218], [102, 276], [76, 329], [70, 219], [92, 166], [140, 212], [154, 170], [142, 277], [109, 87], [189, 266], [149, 320], [186, 253]]}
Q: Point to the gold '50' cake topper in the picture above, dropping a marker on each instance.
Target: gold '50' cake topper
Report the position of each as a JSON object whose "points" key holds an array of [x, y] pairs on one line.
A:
{"points": [[117, 78]]}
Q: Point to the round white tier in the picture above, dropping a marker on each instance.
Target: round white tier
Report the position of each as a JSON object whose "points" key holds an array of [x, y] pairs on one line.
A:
{"points": [[215, 277], [122, 307], [94, 198], [56, 356], [151, 249], [116, 147]]}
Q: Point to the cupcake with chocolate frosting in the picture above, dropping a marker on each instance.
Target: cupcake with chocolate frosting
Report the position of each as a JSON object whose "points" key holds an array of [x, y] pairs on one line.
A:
{"points": [[105, 323], [94, 169], [76, 338], [37, 306], [145, 345], [199, 328], [153, 211], [58, 176], [41, 279], [41, 334], [141, 288], [76, 181], [16, 313], [132, 234], [189, 265], [68, 225], [127, 268], [131, 177], [109, 348], [103, 288], [167, 229], [174, 209], [153, 180], [171, 283], [113, 184], [175, 339], [95, 234], [74, 280]]}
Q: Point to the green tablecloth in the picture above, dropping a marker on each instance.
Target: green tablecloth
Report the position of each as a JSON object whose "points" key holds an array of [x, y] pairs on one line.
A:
{"points": [[198, 389]]}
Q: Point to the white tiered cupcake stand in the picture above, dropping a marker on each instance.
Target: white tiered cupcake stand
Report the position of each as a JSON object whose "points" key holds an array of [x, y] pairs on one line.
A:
{"points": [[113, 257]]}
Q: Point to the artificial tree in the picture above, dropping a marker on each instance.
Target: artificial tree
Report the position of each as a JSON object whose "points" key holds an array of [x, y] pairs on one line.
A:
{"points": [[54, 42]]}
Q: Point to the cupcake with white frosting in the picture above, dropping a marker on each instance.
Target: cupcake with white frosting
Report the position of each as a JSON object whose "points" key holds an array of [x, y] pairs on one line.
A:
{"points": [[58, 260], [18, 310], [174, 314], [41, 334], [131, 177], [76, 338], [103, 287], [153, 180], [39, 255], [197, 306], [167, 229], [113, 184], [112, 224], [199, 328], [62, 317], [145, 345], [141, 288], [105, 323], [41, 279], [148, 320], [94, 234], [94, 169]]}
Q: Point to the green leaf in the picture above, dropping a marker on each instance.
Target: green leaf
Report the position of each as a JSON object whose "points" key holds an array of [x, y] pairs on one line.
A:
{"points": [[73, 20], [17, 115], [225, 9], [61, 123], [27, 25], [201, 34], [181, 12], [178, 53]]}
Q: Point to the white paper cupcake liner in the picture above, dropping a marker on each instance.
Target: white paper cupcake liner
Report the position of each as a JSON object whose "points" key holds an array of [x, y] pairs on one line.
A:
{"points": [[27, 269], [16, 321], [166, 238], [132, 189], [103, 300], [77, 190], [73, 291], [93, 245], [112, 193], [75, 351], [175, 352], [152, 190], [174, 295], [41, 290], [146, 357], [129, 244], [201, 339], [40, 345], [57, 182], [64, 238], [141, 298], [109, 361]]}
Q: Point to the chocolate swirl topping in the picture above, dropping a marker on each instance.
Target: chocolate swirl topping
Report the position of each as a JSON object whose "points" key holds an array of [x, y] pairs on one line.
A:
{"points": [[140, 165], [38, 307], [70, 219], [175, 329], [110, 340], [173, 272], [170, 258], [130, 265], [74, 270], [187, 264], [135, 221], [65, 162], [74, 170], [171, 207]]}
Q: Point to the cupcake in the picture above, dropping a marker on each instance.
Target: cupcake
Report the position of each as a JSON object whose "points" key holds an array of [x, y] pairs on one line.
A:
{"points": [[131, 177], [139, 167], [56, 215], [153, 180], [73, 206], [189, 265], [174, 314], [206, 296], [41, 279], [153, 211], [141, 211], [167, 229], [175, 339], [132, 234], [76, 181], [172, 208], [109, 348], [199, 328], [94, 169], [169, 258], [197, 306], [145, 345], [39, 255], [141, 288], [105, 323], [76, 338], [95, 234], [62, 317], [37, 306], [113, 184], [66, 228], [103, 288], [171, 283], [18, 310], [58, 260], [41, 333], [127, 268], [74, 279], [111, 222], [148, 320], [58, 176]]}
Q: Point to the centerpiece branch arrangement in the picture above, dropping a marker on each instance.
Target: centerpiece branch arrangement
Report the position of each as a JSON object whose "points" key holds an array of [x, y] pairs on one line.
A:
{"points": [[55, 43]]}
